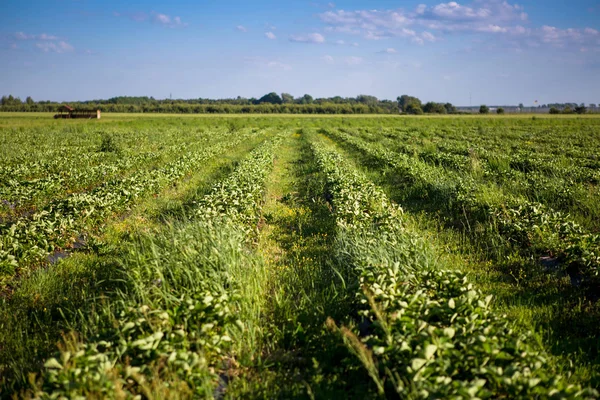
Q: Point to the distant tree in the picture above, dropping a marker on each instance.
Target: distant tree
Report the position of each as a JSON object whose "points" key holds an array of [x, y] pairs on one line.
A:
{"points": [[405, 100], [567, 110], [4, 101], [500, 110], [592, 105], [554, 110], [287, 98], [521, 106], [484, 109], [306, 99], [434, 108], [29, 100], [272, 98], [450, 109], [368, 100], [581, 109], [414, 109]]}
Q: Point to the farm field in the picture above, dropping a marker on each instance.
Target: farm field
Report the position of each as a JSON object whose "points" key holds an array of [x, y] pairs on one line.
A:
{"points": [[299, 257]]}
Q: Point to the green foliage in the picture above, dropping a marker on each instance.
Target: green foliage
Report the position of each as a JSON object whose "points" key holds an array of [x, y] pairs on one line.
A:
{"points": [[413, 109], [500, 110], [435, 108], [31, 238], [109, 144], [428, 326], [271, 98], [227, 297], [484, 109], [554, 110], [186, 307], [543, 231], [450, 109], [405, 101]]}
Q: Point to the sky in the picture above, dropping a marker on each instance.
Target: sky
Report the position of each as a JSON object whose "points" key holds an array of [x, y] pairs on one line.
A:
{"points": [[468, 52]]}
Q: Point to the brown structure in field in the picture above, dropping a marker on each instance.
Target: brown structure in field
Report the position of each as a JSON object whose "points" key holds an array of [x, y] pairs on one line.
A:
{"points": [[69, 112]]}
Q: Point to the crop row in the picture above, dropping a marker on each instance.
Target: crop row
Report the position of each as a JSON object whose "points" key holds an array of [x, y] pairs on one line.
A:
{"points": [[31, 239], [536, 177], [532, 227], [33, 154], [557, 140], [427, 332], [530, 153], [186, 306], [30, 183], [19, 193]]}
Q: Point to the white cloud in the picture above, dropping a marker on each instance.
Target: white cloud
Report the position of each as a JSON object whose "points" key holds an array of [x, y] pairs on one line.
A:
{"points": [[58, 47], [340, 42], [310, 38], [591, 32], [491, 16], [279, 65], [389, 50], [168, 21], [328, 59], [42, 36], [353, 60], [426, 24], [453, 10], [270, 35], [241, 28], [428, 36]]}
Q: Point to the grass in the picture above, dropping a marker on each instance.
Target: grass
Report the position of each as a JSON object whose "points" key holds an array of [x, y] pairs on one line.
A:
{"points": [[301, 358]]}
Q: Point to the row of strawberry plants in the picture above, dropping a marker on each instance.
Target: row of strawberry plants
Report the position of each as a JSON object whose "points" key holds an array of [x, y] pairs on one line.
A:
{"points": [[495, 164], [531, 227], [31, 239], [427, 332], [18, 194], [35, 153], [31, 183], [456, 152], [187, 309], [571, 189]]}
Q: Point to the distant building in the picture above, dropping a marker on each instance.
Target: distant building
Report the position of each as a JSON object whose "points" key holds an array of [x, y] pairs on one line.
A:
{"points": [[68, 112]]}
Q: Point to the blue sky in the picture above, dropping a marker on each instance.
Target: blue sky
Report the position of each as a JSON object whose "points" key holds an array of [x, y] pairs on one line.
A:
{"points": [[490, 51]]}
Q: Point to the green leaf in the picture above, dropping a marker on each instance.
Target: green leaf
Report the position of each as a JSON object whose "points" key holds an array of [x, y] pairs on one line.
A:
{"points": [[52, 363], [430, 350], [417, 363]]}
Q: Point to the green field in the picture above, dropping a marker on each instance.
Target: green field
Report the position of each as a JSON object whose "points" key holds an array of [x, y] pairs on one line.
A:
{"points": [[299, 257]]}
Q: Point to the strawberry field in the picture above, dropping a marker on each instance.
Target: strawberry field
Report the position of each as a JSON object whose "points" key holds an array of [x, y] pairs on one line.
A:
{"points": [[300, 257]]}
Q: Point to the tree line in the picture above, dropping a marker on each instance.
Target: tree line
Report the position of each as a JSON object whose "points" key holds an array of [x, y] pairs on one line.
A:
{"points": [[271, 103]]}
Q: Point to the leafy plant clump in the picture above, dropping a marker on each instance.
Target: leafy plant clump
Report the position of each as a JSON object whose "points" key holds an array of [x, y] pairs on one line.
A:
{"points": [[109, 144]]}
